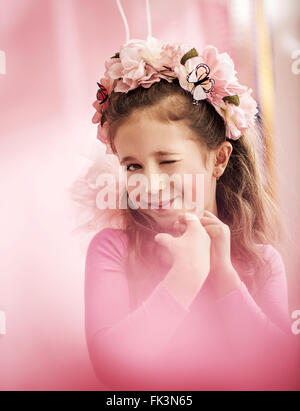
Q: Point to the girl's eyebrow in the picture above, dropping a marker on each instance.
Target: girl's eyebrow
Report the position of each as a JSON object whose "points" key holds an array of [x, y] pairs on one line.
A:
{"points": [[154, 153]]}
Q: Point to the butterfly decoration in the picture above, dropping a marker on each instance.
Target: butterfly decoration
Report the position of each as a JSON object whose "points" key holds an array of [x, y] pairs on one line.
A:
{"points": [[102, 94], [203, 84]]}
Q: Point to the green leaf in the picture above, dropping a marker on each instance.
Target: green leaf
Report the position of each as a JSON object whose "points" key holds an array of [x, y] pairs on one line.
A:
{"points": [[232, 100], [116, 56], [191, 53]]}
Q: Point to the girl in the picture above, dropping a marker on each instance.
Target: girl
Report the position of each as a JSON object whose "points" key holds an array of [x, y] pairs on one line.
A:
{"points": [[182, 298]]}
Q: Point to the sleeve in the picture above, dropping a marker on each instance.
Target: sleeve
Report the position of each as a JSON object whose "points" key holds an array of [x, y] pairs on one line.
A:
{"points": [[258, 328], [123, 345]]}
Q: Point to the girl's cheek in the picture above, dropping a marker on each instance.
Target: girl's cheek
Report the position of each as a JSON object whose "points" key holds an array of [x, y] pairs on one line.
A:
{"points": [[207, 192], [198, 188], [196, 192]]}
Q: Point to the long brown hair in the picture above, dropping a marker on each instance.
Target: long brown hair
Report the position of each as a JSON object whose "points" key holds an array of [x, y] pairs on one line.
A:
{"points": [[242, 199]]}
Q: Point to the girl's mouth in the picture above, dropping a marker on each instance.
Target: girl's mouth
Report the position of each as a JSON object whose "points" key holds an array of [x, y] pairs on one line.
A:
{"points": [[163, 206]]}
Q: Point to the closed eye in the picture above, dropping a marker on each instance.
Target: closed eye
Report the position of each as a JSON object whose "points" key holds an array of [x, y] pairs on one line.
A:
{"points": [[163, 162]]}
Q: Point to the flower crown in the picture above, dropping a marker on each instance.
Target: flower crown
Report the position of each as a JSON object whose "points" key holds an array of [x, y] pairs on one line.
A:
{"points": [[209, 75]]}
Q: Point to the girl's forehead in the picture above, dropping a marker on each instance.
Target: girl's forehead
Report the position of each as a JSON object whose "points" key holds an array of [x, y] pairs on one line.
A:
{"points": [[141, 130], [153, 144]]}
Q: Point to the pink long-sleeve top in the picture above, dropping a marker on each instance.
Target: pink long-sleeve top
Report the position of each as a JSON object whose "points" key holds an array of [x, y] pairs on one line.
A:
{"points": [[228, 342]]}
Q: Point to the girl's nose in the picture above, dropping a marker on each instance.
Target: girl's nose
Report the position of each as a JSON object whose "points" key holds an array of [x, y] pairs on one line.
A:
{"points": [[154, 184]]}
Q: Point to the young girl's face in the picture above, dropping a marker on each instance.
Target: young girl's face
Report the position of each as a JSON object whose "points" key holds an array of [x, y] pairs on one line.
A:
{"points": [[147, 146]]}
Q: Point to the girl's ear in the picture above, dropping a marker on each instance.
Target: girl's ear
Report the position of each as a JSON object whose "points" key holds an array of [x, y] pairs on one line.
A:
{"points": [[222, 157]]}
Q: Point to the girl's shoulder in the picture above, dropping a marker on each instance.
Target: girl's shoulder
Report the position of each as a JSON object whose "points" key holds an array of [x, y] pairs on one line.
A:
{"points": [[110, 233], [273, 257], [269, 250], [109, 241]]}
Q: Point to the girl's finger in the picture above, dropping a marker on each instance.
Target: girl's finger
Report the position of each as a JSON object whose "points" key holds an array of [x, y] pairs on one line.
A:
{"points": [[191, 220], [212, 230], [210, 214], [184, 217], [207, 220]]}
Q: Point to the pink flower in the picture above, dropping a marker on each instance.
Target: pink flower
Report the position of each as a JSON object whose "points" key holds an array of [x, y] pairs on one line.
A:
{"points": [[101, 107], [102, 135], [150, 51], [238, 118], [142, 63], [171, 55], [108, 83], [101, 130], [98, 115], [126, 69], [182, 71], [113, 68], [221, 70]]}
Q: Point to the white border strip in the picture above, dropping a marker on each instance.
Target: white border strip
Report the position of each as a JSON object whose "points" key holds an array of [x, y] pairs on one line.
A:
{"points": [[2, 323]]}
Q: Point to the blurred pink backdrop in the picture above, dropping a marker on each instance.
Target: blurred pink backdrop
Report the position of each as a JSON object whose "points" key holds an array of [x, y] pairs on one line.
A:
{"points": [[52, 54]]}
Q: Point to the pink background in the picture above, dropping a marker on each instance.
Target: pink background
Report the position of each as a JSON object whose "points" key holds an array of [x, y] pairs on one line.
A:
{"points": [[55, 52]]}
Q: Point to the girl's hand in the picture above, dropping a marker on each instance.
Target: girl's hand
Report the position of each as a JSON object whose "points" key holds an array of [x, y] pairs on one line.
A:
{"points": [[190, 252], [219, 234], [223, 276]]}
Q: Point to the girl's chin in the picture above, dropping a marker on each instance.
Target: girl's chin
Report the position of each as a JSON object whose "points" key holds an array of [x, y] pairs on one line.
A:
{"points": [[165, 216], [166, 222]]}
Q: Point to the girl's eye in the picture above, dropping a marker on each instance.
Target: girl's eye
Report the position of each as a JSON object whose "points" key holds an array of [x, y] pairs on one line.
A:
{"points": [[163, 162], [129, 165]]}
